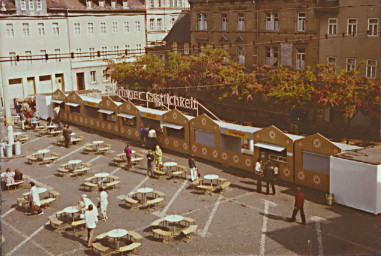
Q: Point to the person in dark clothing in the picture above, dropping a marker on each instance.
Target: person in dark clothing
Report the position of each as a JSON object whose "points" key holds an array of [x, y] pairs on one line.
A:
{"points": [[18, 175], [150, 162], [299, 205], [67, 135], [269, 176], [193, 168], [128, 152], [18, 107]]}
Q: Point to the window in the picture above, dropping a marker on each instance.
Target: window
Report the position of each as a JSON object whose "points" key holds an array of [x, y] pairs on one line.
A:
{"points": [[174, 132], [42, 53], [109, 117], [150, 3], [126, 26], [159, 3], [93, 77], [90, 111], [13, 59], [10, 31], [152, 24], [332, 26], [241, 21], [272, 54], [173, 20], [116, 50], [113, 3], [125, 5], [204, 137], [300, 58], [28, 57], [90, 28], [224, 21], [103, 28], [350, 64], [77, 28], [106, 76], [139, 49], [92, 53], [352, 27], [56, 28], [371, 68], [159, 24], [78, 54], [38, 5], [102, 3], [174, 46], [301, 27], [186, 48], [88, 3], [137, 26], [315, 162], [31, 4], [241, 56], [372, 27], [127, 47], [272, 21], [41, 29], [114, 27], [331, 60], [104, 51], [25, 30], [131, 122], [57, 53], [202, 22], [23, 5]]}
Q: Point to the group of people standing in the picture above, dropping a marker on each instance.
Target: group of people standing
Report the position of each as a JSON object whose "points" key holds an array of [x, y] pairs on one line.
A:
{"points": [[267, 172], [148, 137]]}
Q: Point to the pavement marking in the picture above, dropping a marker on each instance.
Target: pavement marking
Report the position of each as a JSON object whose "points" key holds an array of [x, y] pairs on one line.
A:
{"points": [[114, 171], [318, 220], [211, 216], [164, 211], [264, 226], [121, 197], [72, 152], [8, 212], [27, 238], [92, 160], [31, 141], [39, 183], [73, 251]]}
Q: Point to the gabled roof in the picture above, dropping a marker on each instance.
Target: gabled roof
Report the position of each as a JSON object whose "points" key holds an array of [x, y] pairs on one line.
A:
{"points": [[180, 31]]}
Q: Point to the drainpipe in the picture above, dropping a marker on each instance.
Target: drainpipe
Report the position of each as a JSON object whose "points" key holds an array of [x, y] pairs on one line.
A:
{"points": [[69, 43]]}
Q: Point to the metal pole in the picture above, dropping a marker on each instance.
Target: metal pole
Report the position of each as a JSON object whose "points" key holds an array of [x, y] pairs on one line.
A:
{"points": [[308, 247]]}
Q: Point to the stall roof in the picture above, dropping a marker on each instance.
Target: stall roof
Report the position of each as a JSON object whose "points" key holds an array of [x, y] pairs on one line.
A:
{"points": [[269, 146], [90, 99], [118, 103], [57, 101], [370, 155], [106, 111], [173, 126], [237, 127], [294, 137], [126, 115], [150, 110], [189, 117], [72, 104], [345, 147]]}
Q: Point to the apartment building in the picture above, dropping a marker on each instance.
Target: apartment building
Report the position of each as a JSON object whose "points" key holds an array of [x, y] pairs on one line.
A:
{"points": [[45, 45], [350, 35], [161, 16]]}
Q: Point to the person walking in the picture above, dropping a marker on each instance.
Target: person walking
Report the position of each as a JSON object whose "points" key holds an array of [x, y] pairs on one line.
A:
{"points": [[152, 138], [269, 176], [128, 152], [158, 157], [103, 203], [57, 111], [91, 223], [193, 168], [68, 136], [34, 197], [259, 173], [299, 206], [150, 161]]}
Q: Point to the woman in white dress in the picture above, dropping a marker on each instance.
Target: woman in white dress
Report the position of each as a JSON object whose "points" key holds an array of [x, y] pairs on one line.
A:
{"points": [[103, 202], [91, 220], [85, 203]]}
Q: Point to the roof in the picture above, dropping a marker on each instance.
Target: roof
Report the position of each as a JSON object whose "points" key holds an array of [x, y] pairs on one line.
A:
{"points": [[237, 127], [150, 110], [90, 99], [370, 155], [345, 147], [181, 31], [294, 137]]}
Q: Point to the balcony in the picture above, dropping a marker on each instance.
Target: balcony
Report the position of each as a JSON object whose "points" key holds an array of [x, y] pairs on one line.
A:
{"points": [[327, 6]]}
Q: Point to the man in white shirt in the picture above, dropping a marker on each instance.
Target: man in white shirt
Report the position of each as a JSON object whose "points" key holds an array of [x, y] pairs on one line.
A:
{"points": [[34, 197], [152, 138], [57, 112], [91, 220], [259, 173]]}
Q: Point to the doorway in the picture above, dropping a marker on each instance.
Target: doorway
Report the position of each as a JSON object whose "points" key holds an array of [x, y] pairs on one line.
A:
{"points": [[60, 82], [81, 81], [31, 86]]}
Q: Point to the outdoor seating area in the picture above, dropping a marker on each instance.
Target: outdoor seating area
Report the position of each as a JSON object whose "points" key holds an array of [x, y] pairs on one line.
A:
{"points": [[46, 198], [172, 227], [18, 136], [75, 139], [210, 183], [49, 130], [14, 185], [43, 156], [144, 198], [97, 147], [171, 170], [103, 179], [73, 168], [121, 159]]}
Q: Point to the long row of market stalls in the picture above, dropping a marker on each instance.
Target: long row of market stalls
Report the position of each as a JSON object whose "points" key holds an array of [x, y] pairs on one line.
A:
{"points": [[306, 161]]}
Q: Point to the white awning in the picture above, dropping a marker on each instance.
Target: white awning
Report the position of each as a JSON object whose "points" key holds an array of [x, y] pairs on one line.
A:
{"points": [[105, 111], [173, 126], [72, 104], [57, 101], [269, 146], [126, 116]]}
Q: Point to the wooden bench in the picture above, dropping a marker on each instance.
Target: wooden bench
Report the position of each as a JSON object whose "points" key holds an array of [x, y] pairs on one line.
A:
{"points": [[54, 194], [32, 159], [81, 171], [119, 160], [86, 165], [204, 188], [21, 202], [78, 223], [61, 141], [161, 233], [90, 186], [56, 223], [189, 230], [131, 202], [90, 179], [89, 149], [134, 236], [188, 221], [159, 173], [15, 185], [47, 201], [101, 236], [111, 178], [136, 160], [197, 182], [156, 194], [60, 214], [129, 248], [224, 186], [178, 174], [157, 223], [100, 249], [63, 172], [77, 139], [154, 202], [49, 160], [113, 184], [220, 180]]}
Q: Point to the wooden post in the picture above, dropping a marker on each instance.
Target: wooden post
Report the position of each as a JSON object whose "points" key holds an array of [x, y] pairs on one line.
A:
{"points": [[308, 247]]}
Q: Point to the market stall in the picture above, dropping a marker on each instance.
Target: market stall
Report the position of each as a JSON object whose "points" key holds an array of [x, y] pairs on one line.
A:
{"points": [[312, 160], [109, 109], [59, 99], [355, 179], [271, 144], [91, 116], [175, 131], [73, 108], [129, 120], [151, 117]]}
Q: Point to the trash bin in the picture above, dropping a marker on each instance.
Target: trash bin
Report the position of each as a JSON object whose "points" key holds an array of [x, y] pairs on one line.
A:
{"points": [[17, 148], [9, 150]]}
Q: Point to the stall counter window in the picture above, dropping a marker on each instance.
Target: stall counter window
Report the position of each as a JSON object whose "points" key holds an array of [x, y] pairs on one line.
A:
{"points": [[174, 130], [90, 112], [74, 107], [128, 120]]}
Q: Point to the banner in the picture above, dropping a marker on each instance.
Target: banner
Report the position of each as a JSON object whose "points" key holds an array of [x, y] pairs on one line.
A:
{"points": [[236, 133]]}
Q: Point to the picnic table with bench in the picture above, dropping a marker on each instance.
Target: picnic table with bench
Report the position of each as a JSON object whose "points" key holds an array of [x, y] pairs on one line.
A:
{"points": [[185, 226], [97, 148], [44, 156], [73, 168], [139, 198]]}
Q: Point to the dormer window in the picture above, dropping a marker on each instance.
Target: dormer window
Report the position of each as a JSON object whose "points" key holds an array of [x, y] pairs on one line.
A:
{"points": [[88, 3], [102, 4], [125, 4], [113, 4]]}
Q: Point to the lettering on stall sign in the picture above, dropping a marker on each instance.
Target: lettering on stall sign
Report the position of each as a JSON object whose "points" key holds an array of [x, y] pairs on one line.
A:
{"points": [[91, 104], [236, 133], [164, 99], [151, 116]]}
